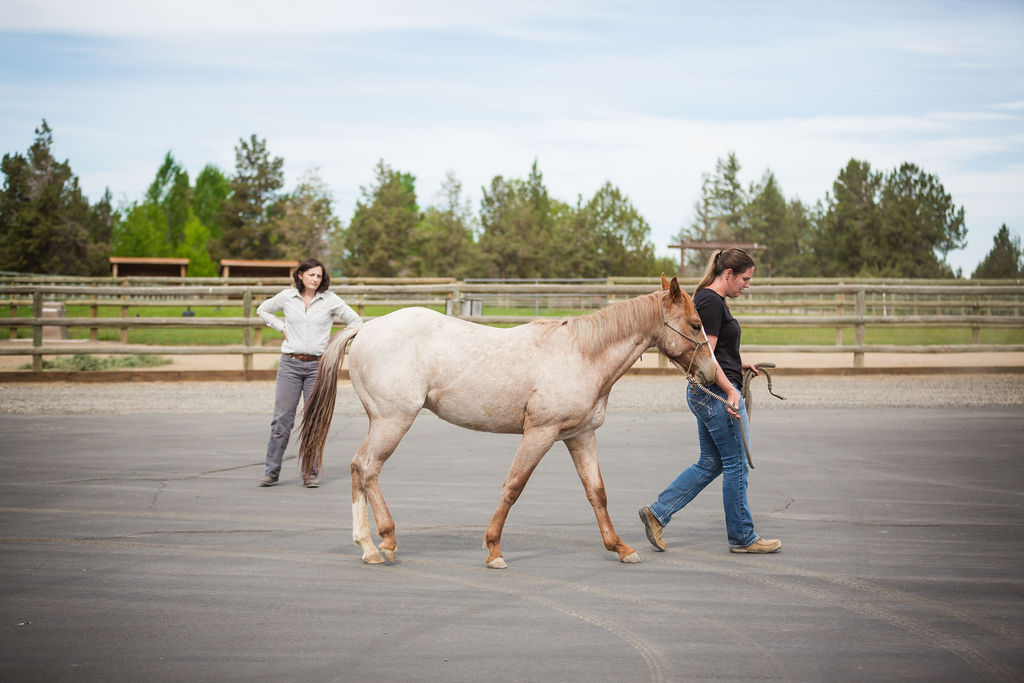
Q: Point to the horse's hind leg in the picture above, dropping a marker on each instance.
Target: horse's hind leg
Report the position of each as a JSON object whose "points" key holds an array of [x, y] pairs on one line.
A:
{"points": [[584, 455], [534, 445], [379, 444]]}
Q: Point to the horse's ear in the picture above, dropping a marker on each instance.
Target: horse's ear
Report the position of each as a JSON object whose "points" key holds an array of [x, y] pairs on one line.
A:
{"points": [[675, 293], [664, 281]]}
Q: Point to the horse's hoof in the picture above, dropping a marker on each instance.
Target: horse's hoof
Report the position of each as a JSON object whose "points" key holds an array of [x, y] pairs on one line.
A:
{"points": [[371, 556], [389, 554], [631, 558], [497, 563]]}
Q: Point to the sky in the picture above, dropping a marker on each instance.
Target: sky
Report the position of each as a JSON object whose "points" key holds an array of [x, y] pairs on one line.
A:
{"points": [[644, 94]]}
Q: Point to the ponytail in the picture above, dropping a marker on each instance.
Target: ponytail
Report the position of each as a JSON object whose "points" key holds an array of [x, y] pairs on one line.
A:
{"points": [[738, 260]]}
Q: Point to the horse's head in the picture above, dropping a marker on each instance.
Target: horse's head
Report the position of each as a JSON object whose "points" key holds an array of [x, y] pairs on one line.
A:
{"points": [[682, 338]]}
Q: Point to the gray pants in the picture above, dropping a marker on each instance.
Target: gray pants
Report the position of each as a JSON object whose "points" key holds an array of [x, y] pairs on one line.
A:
{"points": [[294, 378]]}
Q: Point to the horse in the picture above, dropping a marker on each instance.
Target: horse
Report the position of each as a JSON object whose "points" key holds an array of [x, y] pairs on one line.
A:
{"points": [[546, 380]]}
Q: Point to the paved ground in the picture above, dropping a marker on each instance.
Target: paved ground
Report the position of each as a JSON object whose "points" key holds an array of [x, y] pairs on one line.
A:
{"points": [[138, 547]]}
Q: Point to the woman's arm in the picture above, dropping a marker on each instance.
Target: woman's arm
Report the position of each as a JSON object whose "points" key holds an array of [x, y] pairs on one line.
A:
{"points": [[268, 308], [344, 313], [732, 396]]}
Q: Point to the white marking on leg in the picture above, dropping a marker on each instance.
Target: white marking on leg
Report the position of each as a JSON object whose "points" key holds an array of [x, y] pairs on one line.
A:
{"points": [[361, 531]]}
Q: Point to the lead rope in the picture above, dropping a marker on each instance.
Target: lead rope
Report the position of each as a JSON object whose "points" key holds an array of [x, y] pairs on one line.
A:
{"points": [[748, 374], [744, 392]]}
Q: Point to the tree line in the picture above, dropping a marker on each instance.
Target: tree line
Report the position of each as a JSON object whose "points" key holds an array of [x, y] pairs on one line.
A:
{"points": [[897, 223]]}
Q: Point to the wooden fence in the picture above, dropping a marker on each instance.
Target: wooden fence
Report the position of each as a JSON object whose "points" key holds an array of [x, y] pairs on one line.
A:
{"points": [[859, 306]]}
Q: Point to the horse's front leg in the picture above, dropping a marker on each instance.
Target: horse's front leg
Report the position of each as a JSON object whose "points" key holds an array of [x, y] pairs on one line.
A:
{"points": [[535, 443], [583, 450]]}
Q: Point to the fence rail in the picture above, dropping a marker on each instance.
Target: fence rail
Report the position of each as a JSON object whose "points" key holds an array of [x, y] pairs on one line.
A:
{"points": [[784, 304]]}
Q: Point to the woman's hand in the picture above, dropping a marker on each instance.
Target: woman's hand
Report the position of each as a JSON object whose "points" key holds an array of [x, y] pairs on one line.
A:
{"points": [[732, 397]]}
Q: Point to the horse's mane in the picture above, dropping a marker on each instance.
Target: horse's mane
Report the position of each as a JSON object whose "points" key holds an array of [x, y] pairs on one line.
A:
{"points": [[594, 332]]}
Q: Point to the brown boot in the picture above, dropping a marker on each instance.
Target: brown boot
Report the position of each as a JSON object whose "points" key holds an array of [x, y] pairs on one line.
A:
{"points": [[653, 528], [761, 545]]}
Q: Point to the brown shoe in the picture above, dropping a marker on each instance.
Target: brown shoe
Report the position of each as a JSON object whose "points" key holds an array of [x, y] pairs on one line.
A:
{"points": [[761, 545], [268, 481], [653, 528]]}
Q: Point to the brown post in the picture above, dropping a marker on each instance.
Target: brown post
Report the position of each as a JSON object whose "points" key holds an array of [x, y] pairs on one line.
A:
{"points": [[840, 309], [94, 311], [247, 334], [124, 314], [858, 329], [37, 330], [976, 329]]}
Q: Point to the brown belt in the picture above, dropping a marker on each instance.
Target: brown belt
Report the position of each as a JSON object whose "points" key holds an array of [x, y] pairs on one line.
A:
{"points": [[304, 357]]}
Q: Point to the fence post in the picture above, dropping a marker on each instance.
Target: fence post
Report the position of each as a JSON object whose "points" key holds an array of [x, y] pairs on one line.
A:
{"points": [[840, 310], [454, 303], [858, 329], [247, 333], [976, 329], [124, 314], [37, 330], [94, 311]]}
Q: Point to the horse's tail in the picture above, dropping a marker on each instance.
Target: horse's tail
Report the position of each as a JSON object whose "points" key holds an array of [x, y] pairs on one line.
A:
{"points": [[319, 409]]}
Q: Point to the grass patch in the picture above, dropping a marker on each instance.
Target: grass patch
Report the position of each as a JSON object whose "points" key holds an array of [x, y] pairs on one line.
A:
{"points": [[896, 336], [766, 336], [79, 362]]}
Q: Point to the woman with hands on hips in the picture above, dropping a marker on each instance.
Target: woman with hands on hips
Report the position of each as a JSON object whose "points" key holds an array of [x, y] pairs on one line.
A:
{"points": [[310, 310]]}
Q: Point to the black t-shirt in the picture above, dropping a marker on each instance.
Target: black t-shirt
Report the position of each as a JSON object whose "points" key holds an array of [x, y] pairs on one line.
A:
{"points": [[718, 322]]}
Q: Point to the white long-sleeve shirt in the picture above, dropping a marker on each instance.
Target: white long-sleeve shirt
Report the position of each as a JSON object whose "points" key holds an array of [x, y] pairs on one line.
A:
{"points": [[307, 330]]}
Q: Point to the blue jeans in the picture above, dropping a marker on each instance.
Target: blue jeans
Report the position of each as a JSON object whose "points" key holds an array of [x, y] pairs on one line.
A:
{"points": [[721, 452], [294, 378]]}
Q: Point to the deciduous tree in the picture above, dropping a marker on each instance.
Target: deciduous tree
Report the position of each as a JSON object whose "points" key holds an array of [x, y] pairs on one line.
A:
{"points": [[211, 191], [307, 219], [517, 223], [606, 236], [378, 239], [444, 243]]}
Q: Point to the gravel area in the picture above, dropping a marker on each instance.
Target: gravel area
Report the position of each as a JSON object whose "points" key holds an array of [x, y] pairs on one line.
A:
{"points": [[632, 394]]}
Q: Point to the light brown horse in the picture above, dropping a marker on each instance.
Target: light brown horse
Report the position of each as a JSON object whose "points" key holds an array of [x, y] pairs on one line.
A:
{"points": [[546, 380]]}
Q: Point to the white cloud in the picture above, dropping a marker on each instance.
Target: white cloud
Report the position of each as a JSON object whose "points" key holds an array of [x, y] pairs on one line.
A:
{"points": [[1014, 106], [131, 18]]}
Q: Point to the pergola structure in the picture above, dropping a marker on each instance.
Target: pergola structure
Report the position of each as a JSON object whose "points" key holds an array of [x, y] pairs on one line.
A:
{"points": [[249, 268], [710, 244], [124, 266]]}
